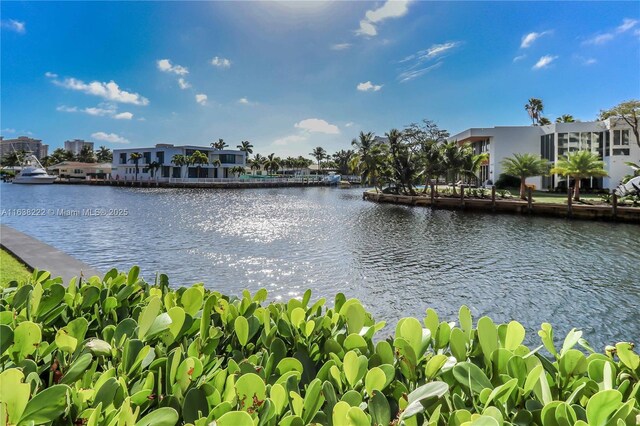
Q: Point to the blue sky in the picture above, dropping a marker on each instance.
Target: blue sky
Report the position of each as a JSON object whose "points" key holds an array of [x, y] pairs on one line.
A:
{"points": [[289, 76]]}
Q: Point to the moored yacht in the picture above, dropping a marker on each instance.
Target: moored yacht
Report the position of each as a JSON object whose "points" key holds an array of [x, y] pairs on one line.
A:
{"points": [[32, 172]]}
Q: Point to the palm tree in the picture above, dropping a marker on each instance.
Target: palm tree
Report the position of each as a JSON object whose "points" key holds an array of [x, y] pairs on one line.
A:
{"points": [[565, 118], [524, 166], [579, 165], [153, 168], [471, 164], [135, 157], [237, 170], [104, 155], [535, 108], [246, 147], [86, 155], [198, 158], [369, 160], [180, 160], [15, 158], [342, 159], [544, 121], [220, 145], [272, 163], [453, 156], [319, 154]]}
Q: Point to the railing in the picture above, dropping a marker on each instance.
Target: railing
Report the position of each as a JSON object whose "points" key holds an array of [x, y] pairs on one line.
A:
{"points": [[311, 179]]}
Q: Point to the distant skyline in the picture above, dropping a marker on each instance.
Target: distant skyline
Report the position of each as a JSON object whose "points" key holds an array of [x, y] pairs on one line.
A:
{"points": [[289, 76]]}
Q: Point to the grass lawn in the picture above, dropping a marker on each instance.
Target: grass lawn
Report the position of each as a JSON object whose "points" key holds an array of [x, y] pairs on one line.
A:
{"points": [[11, 269]]}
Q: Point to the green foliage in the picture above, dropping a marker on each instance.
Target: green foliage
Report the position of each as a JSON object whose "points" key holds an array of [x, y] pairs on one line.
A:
{"points": [[122, 351], [507, 181]]}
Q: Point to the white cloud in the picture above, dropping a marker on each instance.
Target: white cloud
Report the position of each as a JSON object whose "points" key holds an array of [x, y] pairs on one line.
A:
{"points": [[349, 124], [98, 111], [390, 9], [201, 98], [184, 84], [439, 49], [13, 25], [290, 139], [519, 58], [415, 73], [109, 137], [110, 91], [246, 101], [544, 62], [626, 25], [165, 65], [50, 75], [220, 62], [64, 108], [123, 116], [528, 39], [367, 86], [317, 125], [340, 46], [8, 130]]}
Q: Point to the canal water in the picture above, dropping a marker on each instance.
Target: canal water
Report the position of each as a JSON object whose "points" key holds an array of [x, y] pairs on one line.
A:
{"points": [[398, 260]]}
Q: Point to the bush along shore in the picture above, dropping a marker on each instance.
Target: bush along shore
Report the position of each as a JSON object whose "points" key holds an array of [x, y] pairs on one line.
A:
{"points": [[120, 351]]}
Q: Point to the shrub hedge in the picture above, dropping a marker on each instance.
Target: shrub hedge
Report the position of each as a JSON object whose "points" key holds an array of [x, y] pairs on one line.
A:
{"points": [[120, 351]]}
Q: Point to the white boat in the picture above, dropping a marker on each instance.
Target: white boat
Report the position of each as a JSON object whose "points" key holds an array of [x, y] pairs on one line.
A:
{"points": [[629, 188], [32, 172], [332, 178]]}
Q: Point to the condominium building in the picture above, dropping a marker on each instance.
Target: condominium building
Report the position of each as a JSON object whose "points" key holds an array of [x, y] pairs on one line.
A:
{"points": [[76, 145], [23, 143], [162, 156], [612, 140]]}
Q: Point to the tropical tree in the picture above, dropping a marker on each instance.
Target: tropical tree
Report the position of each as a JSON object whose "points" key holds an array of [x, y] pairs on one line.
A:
{"points": [[342, 159], [403, 167], [319, 154], [153, 168], [272, 163], [60, 154], [370, 159], [565, 118], [198, 158], [471, 164], [246, 147], [579, 165], [535, 108], [453, 156], [180, 160], [544, 121], [135, 157], [220, 145], [629, 112], [237, 170], [13, 159], [428, 139], [104, 155], [86, 155], [524, 166]]}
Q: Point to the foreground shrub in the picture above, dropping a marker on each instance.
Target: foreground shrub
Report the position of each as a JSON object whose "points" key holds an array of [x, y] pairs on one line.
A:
{"points": [[120, 351]]}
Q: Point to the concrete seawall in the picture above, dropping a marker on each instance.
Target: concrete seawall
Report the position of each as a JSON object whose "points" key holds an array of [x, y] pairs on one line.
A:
{"points": [[576, 211], [38, 255], [210, 185]]}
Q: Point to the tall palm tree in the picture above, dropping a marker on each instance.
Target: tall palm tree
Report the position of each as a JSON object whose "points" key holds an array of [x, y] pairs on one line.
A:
{"points": [[471, 164], [246, 147], [86, 155], [565, 118], [535, 108], [135, 157], [524, 166], [198, 158], [579, 165], [272, 163], [104, 155], [453, 160], [342, 159], [153, 168], [180, 160], [431, 159], [544, 121], [370, 159], [319, 154], [220, 145]]}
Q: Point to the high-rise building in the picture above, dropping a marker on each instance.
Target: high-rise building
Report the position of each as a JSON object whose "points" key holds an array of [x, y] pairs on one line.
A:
{"points": [[23, 143], [76, 145]]}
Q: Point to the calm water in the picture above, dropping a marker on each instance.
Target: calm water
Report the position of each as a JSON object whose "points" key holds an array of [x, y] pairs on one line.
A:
{"points": [[398, 260]]}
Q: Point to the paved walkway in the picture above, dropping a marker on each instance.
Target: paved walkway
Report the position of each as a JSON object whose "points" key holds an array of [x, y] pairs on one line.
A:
{"points": [[41, 256]]}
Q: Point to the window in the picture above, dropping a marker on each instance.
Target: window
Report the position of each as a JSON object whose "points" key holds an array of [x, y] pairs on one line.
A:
{"points": [[620, 141], [160, 157], [123, 158], [77, 171], [547, 149], [563, 144], [145, 170], [574, 141], [228, 158], [147, 157], [607, 143]]}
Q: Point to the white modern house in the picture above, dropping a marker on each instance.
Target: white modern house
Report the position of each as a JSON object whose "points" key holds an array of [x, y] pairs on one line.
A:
{"points": [[611, 139], [218, 165]]}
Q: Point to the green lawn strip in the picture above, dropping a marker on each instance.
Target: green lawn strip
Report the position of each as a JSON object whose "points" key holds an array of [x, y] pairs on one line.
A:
{"points": [[12, 269]]}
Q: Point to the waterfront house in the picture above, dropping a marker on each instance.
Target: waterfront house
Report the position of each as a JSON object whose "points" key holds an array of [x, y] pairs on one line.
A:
{"points": [[79, 170], [219, 164], [612, 139]]}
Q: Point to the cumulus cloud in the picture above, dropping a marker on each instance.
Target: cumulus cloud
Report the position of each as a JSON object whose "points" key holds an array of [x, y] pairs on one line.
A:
{"points": [[544, 62], [109, 91], [123, 116], [13, 25], [390, 9], [626, 25], [246, 101], [290, 139], [368, 86], [109, 137], [184, 84], [220, 62], [201, 98], [50, 75], [165, 65], [317, 125], [340, 46], [528, 39]]}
